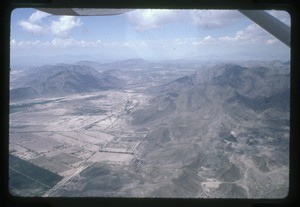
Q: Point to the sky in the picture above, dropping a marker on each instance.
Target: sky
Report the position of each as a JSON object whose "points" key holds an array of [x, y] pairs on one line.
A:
{"points": [[149, 34]]}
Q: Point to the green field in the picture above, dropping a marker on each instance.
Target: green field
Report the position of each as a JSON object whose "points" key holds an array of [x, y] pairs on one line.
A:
{"points": [[26, 179]]}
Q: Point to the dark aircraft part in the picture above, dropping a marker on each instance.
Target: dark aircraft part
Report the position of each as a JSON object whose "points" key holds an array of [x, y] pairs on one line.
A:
{"points": [[274, 26]]}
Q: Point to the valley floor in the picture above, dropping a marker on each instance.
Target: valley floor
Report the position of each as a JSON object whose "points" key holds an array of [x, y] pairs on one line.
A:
{"points": [[218, 133], [67, 135]]}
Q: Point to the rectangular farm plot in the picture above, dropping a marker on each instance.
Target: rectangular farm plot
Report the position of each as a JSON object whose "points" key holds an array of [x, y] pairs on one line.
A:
{"points": [[64, 138], [29, 179], [41, 145], [23, 185], [38, 142], [85, 138], [123, 146], [51, 164], [112, 157], [19, 137], [102, 137], [66, 158]]}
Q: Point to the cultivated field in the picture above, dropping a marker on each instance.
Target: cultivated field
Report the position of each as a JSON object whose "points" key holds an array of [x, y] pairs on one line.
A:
{"points": [[66, 135]]}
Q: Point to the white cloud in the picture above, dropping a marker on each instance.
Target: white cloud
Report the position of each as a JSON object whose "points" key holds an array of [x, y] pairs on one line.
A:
{"points": [[64, 25], [71, 42], [253, 34], [13, 42], [179, 41], [24, 44], [207, 19], [211, 19], [150, 19], [61, 43], [38, 16], [33, 24], [31, 27], [61, 27], [271, 41], [136, 44], [208, 38]]}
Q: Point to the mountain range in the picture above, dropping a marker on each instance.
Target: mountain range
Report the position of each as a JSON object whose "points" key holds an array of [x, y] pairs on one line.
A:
{"points": [[221, 131], [221, 118], [62, 79]]}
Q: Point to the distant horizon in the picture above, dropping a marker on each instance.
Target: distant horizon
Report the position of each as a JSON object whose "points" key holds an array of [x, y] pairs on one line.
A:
{"points": [[54, 60], [151, 34]]}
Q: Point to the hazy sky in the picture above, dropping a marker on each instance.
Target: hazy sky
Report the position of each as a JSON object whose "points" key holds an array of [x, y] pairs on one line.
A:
{"points": [[148, 34]]}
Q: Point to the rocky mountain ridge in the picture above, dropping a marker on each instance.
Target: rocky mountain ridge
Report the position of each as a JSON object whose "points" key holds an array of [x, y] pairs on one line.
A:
{"points": [[62, 79]]}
